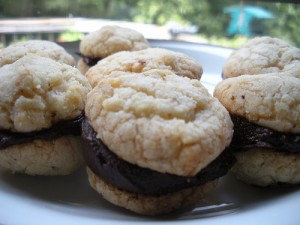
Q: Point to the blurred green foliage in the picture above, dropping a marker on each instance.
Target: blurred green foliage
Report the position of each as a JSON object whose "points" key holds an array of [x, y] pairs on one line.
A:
{"points": [[206, 14], [69, 36]]}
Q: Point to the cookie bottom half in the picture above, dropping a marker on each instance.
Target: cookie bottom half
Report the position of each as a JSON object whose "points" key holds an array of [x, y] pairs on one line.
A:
{"points": [[265, 167], [60, 156], [150, 205]]}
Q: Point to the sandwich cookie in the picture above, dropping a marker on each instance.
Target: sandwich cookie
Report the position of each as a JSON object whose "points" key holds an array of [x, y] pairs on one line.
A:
{"points": [[41, 110], [265, 110], [106, 41], [154, 141]]}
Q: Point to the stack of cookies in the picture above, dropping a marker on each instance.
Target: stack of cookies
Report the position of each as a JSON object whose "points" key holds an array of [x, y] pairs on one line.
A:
{"points": [[261, 93]]}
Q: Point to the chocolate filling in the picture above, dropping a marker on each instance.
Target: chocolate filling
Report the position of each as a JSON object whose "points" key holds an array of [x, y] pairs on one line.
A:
{"points": [[90, 61], [8, 138], [109, 167], [248, 135]]}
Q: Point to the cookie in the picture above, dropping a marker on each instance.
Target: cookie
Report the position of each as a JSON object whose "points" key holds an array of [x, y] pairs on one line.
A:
{"points": [[106, 41], [41, 107], [59, 156], [149, 205], [159, 102], [267, 100], [144, 60], [43, 48], [156, 136], [265, 111], [263, 55], [264, 167]]}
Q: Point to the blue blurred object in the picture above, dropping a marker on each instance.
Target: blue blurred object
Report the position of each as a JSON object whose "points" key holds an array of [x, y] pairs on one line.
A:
{"points": [[241, 17]]}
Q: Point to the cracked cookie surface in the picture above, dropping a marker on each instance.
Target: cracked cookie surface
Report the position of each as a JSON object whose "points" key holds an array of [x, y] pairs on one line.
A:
{"points": [[264, 55], [36, 92], [111, 39], [267, 100], [144, 60], [159, 120], [43, 48]]}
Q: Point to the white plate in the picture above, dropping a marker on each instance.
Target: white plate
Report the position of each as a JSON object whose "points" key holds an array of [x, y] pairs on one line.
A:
{"points": [[26, 200]]}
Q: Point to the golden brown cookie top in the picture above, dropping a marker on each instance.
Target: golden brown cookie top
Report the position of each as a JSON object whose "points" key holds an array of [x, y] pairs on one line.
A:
{"points": [[144, 60], [36, 92], [110, 39], [267, 100], [159, 120], [43, 48], [262, 55]]}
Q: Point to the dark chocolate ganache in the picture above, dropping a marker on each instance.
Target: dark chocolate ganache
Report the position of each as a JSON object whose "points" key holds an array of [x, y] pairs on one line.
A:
{"points": [[126, 176], [90, 61], [8, 138], [248, 135]]}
